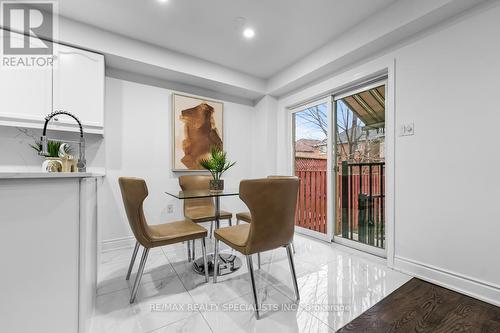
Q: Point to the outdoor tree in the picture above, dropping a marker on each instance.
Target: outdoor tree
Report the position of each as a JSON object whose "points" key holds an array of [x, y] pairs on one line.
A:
{"points": [[349, 131]]}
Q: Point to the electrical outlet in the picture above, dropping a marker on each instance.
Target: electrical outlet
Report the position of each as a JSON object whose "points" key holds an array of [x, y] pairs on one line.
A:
{"points": [[170, 209], [407, 129]]}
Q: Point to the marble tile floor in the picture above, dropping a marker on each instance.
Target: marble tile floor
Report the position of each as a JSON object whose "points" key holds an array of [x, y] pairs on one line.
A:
{"points": [[336, 285]]}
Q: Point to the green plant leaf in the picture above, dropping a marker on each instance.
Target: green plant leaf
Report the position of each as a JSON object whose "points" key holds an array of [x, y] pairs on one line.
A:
{"points": [[217, 163], [52, 148]]}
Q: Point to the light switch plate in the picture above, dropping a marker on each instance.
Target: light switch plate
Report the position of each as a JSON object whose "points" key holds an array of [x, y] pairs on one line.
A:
{"points": [[407, 129]]}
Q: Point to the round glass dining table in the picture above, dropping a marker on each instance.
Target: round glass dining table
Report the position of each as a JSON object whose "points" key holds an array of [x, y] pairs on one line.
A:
{"points": [[228, 263]]}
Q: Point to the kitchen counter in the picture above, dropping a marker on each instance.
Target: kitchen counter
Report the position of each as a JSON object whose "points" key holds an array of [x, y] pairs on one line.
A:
{"points": [[48, 249], [38, 175]]}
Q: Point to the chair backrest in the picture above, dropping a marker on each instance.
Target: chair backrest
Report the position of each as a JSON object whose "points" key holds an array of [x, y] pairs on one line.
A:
{"points": [[196, 182], [134, 191], [272, 203]]}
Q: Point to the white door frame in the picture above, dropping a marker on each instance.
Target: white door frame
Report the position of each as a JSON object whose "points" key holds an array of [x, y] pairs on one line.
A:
{"points": [[335, 85], [329, 221]]}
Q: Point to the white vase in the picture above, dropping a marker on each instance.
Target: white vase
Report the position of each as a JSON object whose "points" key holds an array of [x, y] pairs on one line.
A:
{"points": [[52, 164]]}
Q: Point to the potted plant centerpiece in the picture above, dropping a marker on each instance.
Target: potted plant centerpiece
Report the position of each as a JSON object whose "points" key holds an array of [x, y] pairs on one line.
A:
{"points": [[217, 164]]}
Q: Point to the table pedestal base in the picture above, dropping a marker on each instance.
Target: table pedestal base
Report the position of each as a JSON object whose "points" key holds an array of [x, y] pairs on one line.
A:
{"points": [[228, 264]]}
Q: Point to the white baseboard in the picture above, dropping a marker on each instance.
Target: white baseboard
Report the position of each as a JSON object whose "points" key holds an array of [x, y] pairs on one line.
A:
{"points": [[313, 234], [481, 290], [117, 243]]}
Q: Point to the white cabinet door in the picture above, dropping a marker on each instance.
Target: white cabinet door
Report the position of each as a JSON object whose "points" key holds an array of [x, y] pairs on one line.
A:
{"points": [[79, 87], [74, 84], [25, 93], [39, 254]]}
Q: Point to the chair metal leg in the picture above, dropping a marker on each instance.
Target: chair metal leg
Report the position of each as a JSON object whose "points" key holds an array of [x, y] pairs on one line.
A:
{"points": [[193, 257], [292, 269], [254, 289], [139, 274], [189, 250], [258, 259], [216, 260], [237, 221], [211, 228], [230, 223], [132, 260], [205, 261]]}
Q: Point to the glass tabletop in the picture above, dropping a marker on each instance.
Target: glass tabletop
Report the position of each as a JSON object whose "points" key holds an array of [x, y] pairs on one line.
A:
{"points": [[201, 193]]}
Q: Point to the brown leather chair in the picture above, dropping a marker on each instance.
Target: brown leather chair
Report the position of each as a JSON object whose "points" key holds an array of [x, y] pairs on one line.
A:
{"points": [[202, 209], [134, 192], [245, 216], [272, 204]]}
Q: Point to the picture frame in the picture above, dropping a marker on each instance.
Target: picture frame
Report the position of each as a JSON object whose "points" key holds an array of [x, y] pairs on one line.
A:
{"points": [[197, 125]]}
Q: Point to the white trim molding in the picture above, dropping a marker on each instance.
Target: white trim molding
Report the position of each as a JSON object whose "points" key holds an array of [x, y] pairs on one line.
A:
{"points": [[117, 243], [358, 246], [463, 284], [313, 234], [25, 121], [329, 174], [390, 162]]}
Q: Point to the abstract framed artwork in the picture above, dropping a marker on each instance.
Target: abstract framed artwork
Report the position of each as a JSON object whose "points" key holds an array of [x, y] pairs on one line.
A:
{"points": [[197, 126]]}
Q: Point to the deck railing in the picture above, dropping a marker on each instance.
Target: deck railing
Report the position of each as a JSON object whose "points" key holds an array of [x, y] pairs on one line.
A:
{"points": [[361, 202], [360, 188]]}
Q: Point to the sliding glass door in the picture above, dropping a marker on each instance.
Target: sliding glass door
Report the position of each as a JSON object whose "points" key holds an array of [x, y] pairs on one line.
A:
{"points": [[338, 155], [311, 163], [360, 166]]}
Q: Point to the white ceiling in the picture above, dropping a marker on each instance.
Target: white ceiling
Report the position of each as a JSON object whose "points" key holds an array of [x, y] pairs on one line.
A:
{"points": [[286, 30]]}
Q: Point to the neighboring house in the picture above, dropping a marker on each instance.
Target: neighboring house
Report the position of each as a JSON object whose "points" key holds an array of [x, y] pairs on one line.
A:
{"points": [[361, 144], [310, 148]]}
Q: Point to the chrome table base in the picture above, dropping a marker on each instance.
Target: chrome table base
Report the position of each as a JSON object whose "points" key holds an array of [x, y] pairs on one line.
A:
{"points": [[228, 264]]}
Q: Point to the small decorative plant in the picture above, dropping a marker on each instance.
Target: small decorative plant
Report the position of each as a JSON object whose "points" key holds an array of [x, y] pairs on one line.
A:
{"points": [[217, 164], [52, 148]]}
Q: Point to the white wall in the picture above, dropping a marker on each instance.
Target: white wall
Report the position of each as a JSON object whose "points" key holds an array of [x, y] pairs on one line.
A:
{"points": [[446, 175], [265, 139], [138, 143], [16, 154]]}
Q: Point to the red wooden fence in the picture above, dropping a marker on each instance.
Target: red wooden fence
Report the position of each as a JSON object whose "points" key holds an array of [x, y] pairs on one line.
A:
{"points": [[312, 201], [311, 204]]}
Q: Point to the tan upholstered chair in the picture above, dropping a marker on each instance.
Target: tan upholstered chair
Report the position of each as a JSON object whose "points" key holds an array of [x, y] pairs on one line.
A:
{"points": [[202, 209], [134, 192], [272, 204], [243, 216], [246, 217]]}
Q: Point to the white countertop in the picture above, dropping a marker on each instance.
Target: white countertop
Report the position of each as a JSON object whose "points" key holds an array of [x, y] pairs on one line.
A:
{"points": [[34, 175]]}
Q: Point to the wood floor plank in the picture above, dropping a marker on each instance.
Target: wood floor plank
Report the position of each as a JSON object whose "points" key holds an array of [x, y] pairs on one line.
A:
{"points": [[423, 307]]}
